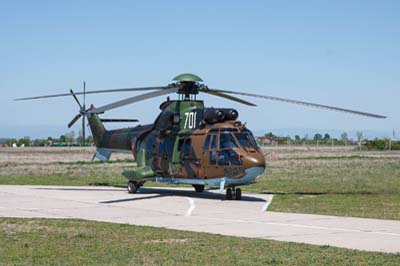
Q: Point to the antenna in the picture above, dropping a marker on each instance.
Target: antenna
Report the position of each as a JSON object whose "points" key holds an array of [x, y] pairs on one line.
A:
{"points": [[84, 116]]}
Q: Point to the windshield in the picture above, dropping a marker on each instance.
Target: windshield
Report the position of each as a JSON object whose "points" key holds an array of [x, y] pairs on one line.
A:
{"points": [[246, 139], [226, 140], [229, 157]]}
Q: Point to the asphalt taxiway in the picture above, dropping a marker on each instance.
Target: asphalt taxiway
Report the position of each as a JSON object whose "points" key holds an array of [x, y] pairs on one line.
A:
{"points": [[184, 209]]}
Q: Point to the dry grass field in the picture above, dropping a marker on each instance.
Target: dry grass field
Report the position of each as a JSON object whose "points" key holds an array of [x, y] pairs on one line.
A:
{"points": [[324, 180], [60, 165]]}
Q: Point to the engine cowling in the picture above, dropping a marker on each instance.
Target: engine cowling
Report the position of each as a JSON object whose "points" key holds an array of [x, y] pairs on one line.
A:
{"points": [[215, 115]]}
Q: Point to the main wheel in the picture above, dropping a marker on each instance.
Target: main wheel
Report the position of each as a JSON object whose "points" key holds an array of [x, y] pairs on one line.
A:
{"points": [[229, 195], [199, 188], [238, 193], [132, 187]]}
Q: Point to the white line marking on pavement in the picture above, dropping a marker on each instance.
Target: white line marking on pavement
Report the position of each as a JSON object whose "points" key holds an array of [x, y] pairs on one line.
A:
{"points": [[266, 205], [191, 208]]}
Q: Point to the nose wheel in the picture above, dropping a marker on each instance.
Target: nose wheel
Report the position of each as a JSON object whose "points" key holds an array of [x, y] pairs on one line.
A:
{"points": [[133, 187], [199, 188], [232, 193]]}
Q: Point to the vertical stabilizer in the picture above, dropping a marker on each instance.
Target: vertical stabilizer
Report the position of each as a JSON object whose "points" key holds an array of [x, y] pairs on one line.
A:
{"points": [[97, 128]]}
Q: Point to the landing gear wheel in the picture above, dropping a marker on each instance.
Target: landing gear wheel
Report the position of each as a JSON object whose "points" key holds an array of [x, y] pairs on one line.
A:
{"points": [[199, 188], [238, 194], [229, 195], [132, 187]]}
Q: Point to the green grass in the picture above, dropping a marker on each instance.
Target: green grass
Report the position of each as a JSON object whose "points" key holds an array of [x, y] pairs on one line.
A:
{"points": [[370, 206], [358, 187], [76, 242]]}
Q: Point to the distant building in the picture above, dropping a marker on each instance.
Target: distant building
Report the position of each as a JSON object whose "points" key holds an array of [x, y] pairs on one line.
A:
{"points": [[263, 141]]}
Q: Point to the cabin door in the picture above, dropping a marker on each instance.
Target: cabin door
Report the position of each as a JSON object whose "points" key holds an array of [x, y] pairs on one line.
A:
{"points": [[210, 155], [189, 160], [166, 156]]}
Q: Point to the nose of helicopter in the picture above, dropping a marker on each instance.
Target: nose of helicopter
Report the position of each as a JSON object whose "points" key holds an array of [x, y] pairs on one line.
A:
{"points": [[254, 165], [255, 159]]}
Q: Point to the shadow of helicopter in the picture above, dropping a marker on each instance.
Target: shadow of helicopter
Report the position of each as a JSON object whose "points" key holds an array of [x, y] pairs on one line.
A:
{"points": [[148, 193], [207, 194]]}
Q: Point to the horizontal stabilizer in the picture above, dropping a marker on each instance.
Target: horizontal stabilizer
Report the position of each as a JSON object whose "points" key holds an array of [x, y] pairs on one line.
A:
{"points": [[103, 154]]}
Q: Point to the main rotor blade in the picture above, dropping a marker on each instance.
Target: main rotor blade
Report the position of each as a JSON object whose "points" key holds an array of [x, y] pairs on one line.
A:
{"points": [[308, 104], [134, 99], [118, 120], [91, 92], [73, 121], [223, 95]]}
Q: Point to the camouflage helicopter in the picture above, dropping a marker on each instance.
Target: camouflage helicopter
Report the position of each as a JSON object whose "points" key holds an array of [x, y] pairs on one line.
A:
{"points": [[188, 143]]}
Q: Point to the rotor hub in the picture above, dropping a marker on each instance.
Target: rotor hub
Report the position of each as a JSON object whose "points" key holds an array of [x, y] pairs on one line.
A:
{"points": [[188, 85], [187, 77], [187, 88]]}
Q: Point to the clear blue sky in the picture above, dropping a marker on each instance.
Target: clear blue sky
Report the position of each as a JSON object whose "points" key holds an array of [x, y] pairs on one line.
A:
{"points": [[344, 53]]}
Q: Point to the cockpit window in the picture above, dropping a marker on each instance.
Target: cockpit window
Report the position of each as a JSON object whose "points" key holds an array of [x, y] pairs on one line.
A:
{"points": [[229, 157], [184, 146], [223, 130], [251, 136], [214, 142], [246, 139], [207, 142], [187, 146], [226, 141]]}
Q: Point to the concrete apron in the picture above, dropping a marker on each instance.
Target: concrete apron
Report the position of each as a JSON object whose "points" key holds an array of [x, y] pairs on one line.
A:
{"points": [[184, 209]]}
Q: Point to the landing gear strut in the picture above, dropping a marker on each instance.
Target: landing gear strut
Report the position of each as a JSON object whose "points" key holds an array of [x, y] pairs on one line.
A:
{"points": [[232, 193], [199, 188], [133, 187]]}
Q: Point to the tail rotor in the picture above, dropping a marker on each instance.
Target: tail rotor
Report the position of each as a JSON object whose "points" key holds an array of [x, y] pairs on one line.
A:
{"points": [[82, 112]]}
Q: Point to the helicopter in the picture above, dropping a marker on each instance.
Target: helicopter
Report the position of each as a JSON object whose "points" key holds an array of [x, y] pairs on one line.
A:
{"points": [[188, 143]]}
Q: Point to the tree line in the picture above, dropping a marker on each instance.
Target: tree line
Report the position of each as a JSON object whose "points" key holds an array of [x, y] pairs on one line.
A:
{"points": [[66, 139], [326, 139]]}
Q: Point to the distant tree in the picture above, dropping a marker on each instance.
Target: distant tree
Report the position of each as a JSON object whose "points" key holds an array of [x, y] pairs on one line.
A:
{"points": [[39, 142], [344, 136], [11, 141], [327, 136], [359, 135], [63, 138], [70, 136], [24, 141], [89, 140], [297, 138], [317, 136], [270, 135]]}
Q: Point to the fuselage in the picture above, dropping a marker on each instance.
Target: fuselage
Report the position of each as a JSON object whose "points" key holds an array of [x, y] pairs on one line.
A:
{"points": [[189, 144]]}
